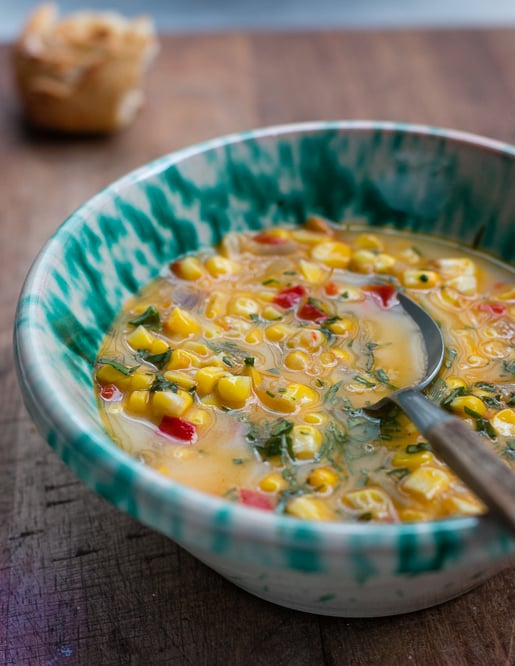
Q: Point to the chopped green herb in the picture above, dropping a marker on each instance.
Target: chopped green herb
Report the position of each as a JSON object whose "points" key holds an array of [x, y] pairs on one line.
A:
{"points": [[281, 390], [364, 381], [450, 356], [320, 382], [344, 294], [254, 317], [270, 281], [455, 393], [365, 517], [399, 473], [273, 371], [124, 369], [162, 384], [232, 494], [270, 394], [289, 272], [148, 318], [159, 360], [249, 360], [238, 461], [227, 361], [332, 391], [417, 448], [272, 439], [509, 366], [482, 424], [509, 450]]}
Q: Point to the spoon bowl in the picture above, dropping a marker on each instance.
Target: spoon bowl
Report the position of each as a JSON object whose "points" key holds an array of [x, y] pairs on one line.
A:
{"points": [[466, 453]]}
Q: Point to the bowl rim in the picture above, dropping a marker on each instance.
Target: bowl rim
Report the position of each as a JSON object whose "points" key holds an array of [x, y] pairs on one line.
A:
{"points": [[42, 396]]}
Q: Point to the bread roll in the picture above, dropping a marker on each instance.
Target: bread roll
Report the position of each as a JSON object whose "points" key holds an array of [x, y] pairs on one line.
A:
{"points": [[82, 73]]}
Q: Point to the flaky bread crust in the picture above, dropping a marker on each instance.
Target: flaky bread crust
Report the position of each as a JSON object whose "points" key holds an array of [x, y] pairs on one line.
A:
{"points": [[82, 73]]}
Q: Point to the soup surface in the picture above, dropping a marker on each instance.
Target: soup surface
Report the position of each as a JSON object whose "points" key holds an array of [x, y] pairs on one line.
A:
{"points": [[243, 370]]}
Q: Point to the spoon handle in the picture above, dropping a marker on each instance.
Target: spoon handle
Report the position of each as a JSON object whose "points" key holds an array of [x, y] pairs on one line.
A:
{"points": [[466, 453]]}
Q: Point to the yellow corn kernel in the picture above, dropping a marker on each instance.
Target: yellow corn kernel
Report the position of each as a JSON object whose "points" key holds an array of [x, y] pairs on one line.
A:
{"points": [[271, 313], [343, 326], [454, 382], [200, 417], [211, 400], [384, 263], [234, 390], [311, 272], [140, 380], [309, 508], [453, 267], [506, 294], [368, 242], [288, 400], [277, 332], [327, 359], [243, 306], [463, 284], [218, 265], [412, 516], [308, 237], [471, 402], [188, 268], [106, 374], [140, 338], [182, 359], [207, 378], [273, 483], [267, 296], [317, 223], [285, 234], [307, 338], [342, 355], [171, 404], [137, 402], [419, 279], [159, 346], [181, 322], [182, 379], [463, 506], [504, 422], [316, 418], [323, 479], [412, 460], [410, 256], [306, 442], [450, 298], [332, 253], [370, 500], [216, 305], [427, 482], [363, 261], [197, 348], [254, 337]]}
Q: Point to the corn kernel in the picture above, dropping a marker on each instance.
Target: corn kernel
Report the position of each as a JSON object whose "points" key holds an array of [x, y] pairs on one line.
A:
{"points": [[410, 256], [454, 383], [370, 500], [159, 346], [332, 253], [140, 338], [272, 313], [182, 379], [343, 326], [137, 402], [182, 359], [234, 390], [427, 482], [216, 305], [200, 417], [306, 442], [308, 236], [316, 418], [288, 400], [277, 332], [412, 460], [471, 402], [418, 279], [506, 294], [311, 272], [273, 483], [106, 374], [504, 422], [368, 242], [323, 479], [307, 338], [171, 404], [384, 263], [309, 508], [180, 322], [141, 380], [342, 355], [254, 337], [363, 261], [218, 265], [267, 296], [207, 378], [188, 268], [327, 359], [317, 223], [243, 306]]}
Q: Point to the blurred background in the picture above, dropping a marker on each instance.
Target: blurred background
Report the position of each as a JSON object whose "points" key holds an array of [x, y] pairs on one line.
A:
{"points": [[204, 15]]}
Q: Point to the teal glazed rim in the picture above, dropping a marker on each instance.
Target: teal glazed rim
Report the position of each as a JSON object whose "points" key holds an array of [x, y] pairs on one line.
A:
{"points": [[162, 503]]}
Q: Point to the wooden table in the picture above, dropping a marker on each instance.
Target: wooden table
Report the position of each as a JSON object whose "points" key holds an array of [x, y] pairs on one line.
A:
{"points": [[81, 583]]}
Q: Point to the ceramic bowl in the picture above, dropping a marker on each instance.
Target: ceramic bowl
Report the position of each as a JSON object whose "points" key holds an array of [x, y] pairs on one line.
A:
{"points": [[446, 183]]}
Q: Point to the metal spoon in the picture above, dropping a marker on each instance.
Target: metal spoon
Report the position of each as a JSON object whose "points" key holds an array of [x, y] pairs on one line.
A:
{"points": [[452, 439]]}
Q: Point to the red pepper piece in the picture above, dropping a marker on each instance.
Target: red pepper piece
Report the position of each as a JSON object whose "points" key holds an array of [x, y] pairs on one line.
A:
{"points": [[496, 309], [331, 289], [110, 393], [311, 312], [290, 296], [384, 294], [269, 239], [255, 499], [174, 426]]}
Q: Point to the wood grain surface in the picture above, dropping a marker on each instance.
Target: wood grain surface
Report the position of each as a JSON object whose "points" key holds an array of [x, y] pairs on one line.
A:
{"points": [[81, 583]]}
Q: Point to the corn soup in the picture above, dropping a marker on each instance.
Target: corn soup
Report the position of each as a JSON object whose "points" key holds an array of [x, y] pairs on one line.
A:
{"points": [[242, 371]]}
